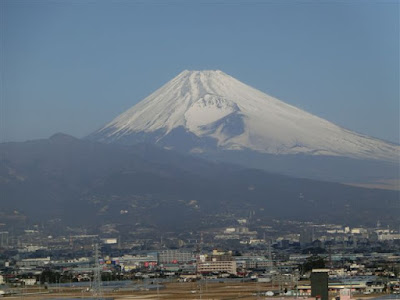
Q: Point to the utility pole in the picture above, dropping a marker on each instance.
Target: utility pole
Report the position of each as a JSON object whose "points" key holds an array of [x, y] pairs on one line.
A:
{"points": [[271, 263]]}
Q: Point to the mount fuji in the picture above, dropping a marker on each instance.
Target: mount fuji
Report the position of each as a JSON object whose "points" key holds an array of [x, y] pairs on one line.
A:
{"points": [[212, 114]]}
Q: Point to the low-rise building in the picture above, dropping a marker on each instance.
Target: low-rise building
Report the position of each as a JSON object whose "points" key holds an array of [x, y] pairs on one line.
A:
{"points": [[174, 256], [28, 281], [34, 262], [217, 262]]}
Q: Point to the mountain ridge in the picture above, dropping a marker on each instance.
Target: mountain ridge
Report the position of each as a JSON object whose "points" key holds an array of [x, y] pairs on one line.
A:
{"points": [[90, 182]]}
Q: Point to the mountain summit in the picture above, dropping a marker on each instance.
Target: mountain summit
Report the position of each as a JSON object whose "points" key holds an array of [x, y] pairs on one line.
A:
{"points": [[203, 109]]}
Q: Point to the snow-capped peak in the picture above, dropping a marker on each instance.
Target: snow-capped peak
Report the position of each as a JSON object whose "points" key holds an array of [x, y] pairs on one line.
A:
{"points": [[211, 104]]}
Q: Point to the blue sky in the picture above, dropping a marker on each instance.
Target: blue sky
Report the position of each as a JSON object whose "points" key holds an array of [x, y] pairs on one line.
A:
{"points": [[73, 66]]}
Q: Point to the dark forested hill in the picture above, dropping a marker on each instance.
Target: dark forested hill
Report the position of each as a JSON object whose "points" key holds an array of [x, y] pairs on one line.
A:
{"points": [[84, 182]]}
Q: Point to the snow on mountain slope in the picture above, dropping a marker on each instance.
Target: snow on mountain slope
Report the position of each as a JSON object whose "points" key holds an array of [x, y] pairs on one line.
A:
{"points": [[215, 105]]}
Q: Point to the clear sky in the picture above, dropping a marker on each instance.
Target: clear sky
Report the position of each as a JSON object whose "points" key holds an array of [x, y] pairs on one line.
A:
{"points": [[72, 66]]}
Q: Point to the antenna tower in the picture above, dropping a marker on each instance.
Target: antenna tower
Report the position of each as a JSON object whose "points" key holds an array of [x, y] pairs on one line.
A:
{"points": [[97, 292]]}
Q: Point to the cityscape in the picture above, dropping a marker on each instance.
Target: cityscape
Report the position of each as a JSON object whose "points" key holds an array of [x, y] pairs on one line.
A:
{"points": [[260, 260]]}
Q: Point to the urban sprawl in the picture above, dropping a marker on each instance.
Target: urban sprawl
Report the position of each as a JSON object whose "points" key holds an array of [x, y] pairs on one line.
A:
{"points": [[279, 259]]}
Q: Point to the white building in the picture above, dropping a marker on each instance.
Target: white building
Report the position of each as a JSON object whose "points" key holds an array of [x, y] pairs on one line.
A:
{"points": [[29, 281], [217, 262], [174, 256]]}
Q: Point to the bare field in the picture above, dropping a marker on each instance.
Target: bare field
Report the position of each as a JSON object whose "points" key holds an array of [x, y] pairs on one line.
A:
{"points": [[175, 290], [171, 290]]}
